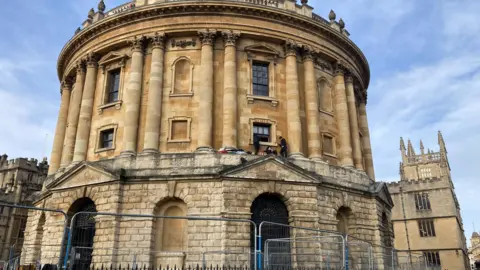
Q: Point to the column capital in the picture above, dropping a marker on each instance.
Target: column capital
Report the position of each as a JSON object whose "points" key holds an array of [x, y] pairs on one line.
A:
{"points": [[137, 43], [80, 67], [230, 38], [91, 60], [290, 47], [158, 40], [66, 84], [207, 37], [307, 53], [339, 69], [349, 79]]}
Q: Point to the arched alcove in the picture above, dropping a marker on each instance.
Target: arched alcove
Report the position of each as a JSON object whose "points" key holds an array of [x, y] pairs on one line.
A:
{"points": [[325, 95], [83, 232], [182, 76], [343, 218]]}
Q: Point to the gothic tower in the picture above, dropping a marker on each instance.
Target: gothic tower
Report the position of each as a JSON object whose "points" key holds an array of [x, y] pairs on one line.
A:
{"points": [[426, 216]]}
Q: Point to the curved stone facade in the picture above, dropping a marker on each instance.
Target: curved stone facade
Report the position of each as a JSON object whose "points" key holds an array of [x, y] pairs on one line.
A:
{"points": [[151, 88]]}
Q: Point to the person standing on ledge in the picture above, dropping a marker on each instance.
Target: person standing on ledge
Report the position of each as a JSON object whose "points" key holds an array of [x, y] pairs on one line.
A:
{"points": [[283, 146], [256, 144]]}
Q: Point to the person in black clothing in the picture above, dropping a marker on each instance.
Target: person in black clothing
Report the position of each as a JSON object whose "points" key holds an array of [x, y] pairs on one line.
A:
{"points": [[283, 147], [256, 144]]}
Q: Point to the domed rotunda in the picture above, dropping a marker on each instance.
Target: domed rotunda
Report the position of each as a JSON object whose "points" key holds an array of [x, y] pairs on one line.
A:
{"points": [[162, 103]]}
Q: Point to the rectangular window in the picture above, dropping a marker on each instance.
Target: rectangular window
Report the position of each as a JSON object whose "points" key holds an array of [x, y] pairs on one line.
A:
{"points": [[106, 138], [179, 130], [426, 228], [425, 173], [113, 85], [422, 202], [260, 79], [262, 131], [328, 145], [432, 258], [23, 224]]}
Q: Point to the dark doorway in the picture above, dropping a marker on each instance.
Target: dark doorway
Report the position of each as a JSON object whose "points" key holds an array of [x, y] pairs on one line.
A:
{"points": [[269, 207], [83, 233]]}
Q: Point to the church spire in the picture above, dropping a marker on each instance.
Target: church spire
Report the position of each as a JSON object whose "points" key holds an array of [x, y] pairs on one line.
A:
{"points": [[402, 150], [410, 151], [441, 143], [422, 149]]}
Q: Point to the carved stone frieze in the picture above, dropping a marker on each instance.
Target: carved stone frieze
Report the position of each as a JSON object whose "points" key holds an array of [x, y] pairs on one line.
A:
{"points": [[230, 38], [158, 40], [207, 37], [290, 47], [183, 43]]}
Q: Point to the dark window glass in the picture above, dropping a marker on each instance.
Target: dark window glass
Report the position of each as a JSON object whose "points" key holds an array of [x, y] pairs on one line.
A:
{"points": [[426, 228], [21, 232], [260, 79], [422, 202], [432, 258], [106, 139], [262, 131], [113, 85]]}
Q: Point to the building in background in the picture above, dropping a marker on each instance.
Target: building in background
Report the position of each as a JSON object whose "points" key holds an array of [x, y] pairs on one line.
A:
{"points": [[426, 216], [474, 250], [20, 179]]}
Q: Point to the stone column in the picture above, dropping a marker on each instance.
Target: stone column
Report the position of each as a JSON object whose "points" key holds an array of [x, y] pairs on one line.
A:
{"points": [[230, 90], [132, 97], [294, 138], [367, 149], [341, 113], [86, 109], [311, 106], [205, 108], [154, 105], [352, 113], [60, 130], [73, 113]]}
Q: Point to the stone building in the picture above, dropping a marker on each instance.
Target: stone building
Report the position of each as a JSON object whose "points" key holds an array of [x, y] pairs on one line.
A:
{"points": [[151, 88], [426, 217], [474, 250], [20, 179]]}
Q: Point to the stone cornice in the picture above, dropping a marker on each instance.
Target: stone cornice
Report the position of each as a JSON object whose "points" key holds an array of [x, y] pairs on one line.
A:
{"points": [[237, 8]]}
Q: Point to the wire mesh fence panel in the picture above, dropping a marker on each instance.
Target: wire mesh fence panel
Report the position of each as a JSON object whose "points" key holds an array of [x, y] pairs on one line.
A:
{"points": [[299, 247], [359, 254], [159, 241], [383, 258]]}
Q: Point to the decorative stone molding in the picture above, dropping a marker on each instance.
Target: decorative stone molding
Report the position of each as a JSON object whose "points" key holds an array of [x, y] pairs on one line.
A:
{"points": [[230, 38], [66, 84], [109, 62], [170, 129], [98, 140], [137, 43], [290, 47], [183, 43], [207, 37], [334, 145], [190, 85], [273, 130], [158, 40], [349, 79], [91, 60], [80, 66], [307, 53], [339, 69]]}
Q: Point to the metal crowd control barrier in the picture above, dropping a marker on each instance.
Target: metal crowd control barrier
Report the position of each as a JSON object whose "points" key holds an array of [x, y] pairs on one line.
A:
{"points": [[338, 246], [146, 251], [46, 210], [355, 250]]}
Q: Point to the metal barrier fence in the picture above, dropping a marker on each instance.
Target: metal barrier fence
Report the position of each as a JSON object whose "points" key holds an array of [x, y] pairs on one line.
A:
{"points": [[158, 241], [138, 241]]}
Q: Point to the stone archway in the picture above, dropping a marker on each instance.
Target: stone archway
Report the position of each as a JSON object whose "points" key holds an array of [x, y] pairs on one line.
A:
{"points": [[83, 232], [270, 207]]}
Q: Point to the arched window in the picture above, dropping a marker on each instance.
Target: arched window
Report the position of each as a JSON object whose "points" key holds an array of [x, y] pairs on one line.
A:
{"points": [[343, 217], [325, 95], [269, 207], [83, 232], [170, 234], [182, 77]]}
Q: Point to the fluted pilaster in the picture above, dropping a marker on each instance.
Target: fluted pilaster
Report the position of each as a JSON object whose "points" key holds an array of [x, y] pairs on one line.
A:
{"points": [[60, 130], [205, 108], [367, 148], [73, 114], [154, 105], [311, 105], [293, 101], [230, 90], [341, 113], [352, 113], [132, 97], [86, 109]]}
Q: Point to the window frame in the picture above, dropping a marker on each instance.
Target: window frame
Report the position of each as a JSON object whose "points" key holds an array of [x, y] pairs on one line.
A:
{"points": [[111, 85], [172, 83], [425, 173], [255, 74], [334, 147], [426, 228], [110, 62], [170, 129], [98, 145], [261, 53], [432, 258], [331, 109], [273, 130], [262, 135], [422, 202]]}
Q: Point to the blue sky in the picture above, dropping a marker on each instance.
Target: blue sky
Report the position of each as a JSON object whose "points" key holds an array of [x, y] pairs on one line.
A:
{"points": [[424, 58]]}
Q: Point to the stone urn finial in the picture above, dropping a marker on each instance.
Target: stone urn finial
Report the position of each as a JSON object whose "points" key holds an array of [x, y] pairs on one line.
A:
{"points": [[78, 30], [101, 6], [332, 15], [304, 2], [91, 13], [341, 23]]}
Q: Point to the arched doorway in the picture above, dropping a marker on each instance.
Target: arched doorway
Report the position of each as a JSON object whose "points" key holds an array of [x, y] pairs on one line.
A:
{"points": [[83, 233], [269, 207]]}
